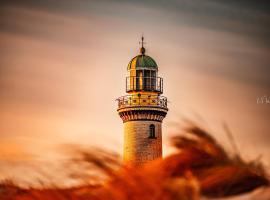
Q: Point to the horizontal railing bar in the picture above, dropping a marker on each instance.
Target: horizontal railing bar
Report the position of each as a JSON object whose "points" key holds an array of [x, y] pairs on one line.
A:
{"points": [[133, 96]]}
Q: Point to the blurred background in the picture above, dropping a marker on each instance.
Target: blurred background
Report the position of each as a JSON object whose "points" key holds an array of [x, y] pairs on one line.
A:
{"points": [[63, 64]]}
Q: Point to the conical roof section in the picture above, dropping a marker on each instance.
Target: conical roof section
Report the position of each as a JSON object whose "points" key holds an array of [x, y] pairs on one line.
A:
{"points": [[142, 61]]}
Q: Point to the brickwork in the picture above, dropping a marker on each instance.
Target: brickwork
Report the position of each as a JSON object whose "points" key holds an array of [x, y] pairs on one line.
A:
{"points": [[138, 146]]}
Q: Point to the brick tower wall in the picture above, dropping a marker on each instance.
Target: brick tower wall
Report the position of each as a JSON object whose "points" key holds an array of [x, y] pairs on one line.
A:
{"points": [[138, 147]]}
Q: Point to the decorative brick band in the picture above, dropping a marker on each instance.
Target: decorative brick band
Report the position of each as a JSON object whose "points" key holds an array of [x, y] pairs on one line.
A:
{"points": [[142, 113]]}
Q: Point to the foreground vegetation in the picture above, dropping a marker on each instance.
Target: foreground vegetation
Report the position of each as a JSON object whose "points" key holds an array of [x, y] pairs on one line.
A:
{"points": [[200, 167]]}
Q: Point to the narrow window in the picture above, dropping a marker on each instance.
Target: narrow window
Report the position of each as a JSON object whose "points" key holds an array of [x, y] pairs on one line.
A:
{"points": [[152, 133], [153, 80], [139, 79], [147, 80]]}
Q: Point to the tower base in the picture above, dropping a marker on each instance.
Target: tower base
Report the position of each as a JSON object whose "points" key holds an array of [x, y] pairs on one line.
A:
{"points": [[140, 146]]}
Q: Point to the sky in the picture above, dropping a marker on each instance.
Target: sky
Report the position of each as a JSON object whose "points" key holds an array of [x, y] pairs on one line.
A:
{"points": [[63, 64]]}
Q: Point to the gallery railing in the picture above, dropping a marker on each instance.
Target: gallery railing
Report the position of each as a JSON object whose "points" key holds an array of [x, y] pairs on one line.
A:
{"points": [[132, 100], [134, 83]]}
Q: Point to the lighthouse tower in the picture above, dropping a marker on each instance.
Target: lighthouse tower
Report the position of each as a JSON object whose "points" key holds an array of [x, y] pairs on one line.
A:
{"points": [[142, 110]]}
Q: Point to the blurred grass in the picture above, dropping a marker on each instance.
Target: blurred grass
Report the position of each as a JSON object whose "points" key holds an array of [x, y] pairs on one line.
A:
{"points": [[200, 167]]}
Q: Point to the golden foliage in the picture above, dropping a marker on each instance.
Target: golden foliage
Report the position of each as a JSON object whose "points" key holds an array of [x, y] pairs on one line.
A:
{"points": [[200, 167]]}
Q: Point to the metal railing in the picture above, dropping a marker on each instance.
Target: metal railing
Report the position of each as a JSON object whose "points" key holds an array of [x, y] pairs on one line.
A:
{"points": [[135, 83], [131, 101]]}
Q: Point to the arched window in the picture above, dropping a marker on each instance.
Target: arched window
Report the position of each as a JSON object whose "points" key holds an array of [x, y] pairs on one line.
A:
{"points": [[152, 133]]}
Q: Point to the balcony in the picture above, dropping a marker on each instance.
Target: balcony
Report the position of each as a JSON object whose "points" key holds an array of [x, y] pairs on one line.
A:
{"points": [[151, 84], [143, 101]]}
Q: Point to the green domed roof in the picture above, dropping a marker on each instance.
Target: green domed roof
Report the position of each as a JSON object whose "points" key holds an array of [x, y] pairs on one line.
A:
{"points": [[142, 62]]}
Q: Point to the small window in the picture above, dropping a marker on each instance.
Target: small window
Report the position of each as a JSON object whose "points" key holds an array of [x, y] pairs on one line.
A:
{"points": [[152, 133]]}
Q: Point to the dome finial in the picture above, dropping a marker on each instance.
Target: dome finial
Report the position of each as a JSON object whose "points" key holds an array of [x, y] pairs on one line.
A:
{"points": [[142, 50]]}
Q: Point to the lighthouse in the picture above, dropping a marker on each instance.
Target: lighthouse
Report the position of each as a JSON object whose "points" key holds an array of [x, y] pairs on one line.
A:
{"points": [[142, 110]]}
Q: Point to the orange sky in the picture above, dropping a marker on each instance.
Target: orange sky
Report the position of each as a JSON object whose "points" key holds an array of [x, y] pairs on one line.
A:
{"points": [[62, 66]]}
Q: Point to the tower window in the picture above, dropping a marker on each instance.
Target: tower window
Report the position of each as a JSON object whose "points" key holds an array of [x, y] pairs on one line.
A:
{"points": [[152, 133]]}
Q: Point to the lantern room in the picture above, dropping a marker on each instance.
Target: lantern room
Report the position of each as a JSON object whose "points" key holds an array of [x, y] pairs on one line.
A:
{"points": [[143, 74]]}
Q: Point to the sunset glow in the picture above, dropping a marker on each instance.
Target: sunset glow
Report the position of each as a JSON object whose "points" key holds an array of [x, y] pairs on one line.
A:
{"points": [[64, 63]]}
